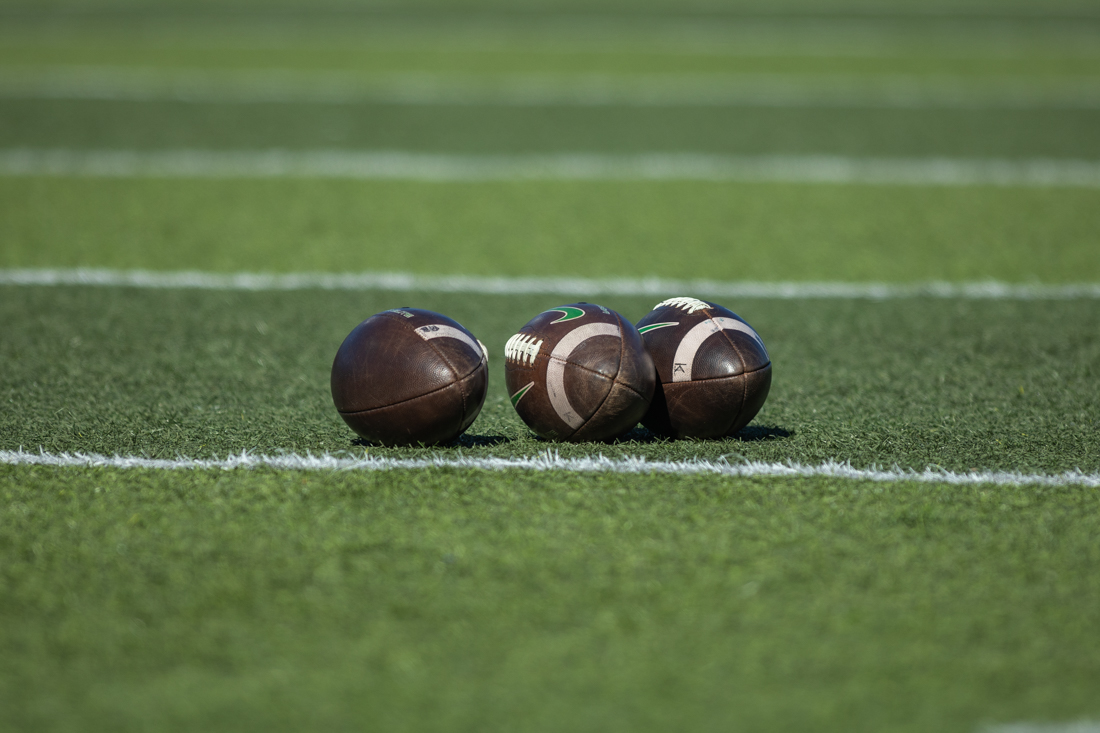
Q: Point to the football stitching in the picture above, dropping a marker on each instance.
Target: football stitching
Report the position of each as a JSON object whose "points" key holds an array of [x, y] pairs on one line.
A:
{"points": [[685, 304], [546, 357], [523, 348]]}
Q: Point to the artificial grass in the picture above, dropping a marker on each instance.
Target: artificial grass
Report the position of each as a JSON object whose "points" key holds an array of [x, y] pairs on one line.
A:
{"points": [[678, 230], [1021, 11], [962, 57], [498, 50], [483, 128], [468, 600], [459, 600], [1043, 44], [1008, 385]]}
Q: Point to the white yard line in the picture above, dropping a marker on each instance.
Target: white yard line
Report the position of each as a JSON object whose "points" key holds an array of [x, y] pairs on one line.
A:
{"points": [[551, 462], [524, 90], [563, 286], [1078, 726], [445, 167]]}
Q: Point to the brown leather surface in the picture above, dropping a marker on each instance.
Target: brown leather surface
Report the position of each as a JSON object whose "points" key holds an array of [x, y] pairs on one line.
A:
{"points": [[608, 379], [639, 372], [757, 385], [588, 388], [730, 375], [710, 408], [395, 387], [619, 413]]}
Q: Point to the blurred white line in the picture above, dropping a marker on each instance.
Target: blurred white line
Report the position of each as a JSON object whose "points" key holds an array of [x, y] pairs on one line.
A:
{"points": [[563, 286], [1079, 726], [520, 90], [445, 167], [553, 462]]}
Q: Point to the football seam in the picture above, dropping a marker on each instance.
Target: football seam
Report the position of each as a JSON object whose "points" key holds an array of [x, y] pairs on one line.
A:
{"points": [[401, 402], [728, 376], [604, 400], [572, 364], [622, 352], [458, 379], [433, 347], [622, 349], [440, 354], [624, 384], [736, 349]]}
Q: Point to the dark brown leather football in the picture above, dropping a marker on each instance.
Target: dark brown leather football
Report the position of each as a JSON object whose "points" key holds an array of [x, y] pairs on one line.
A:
{"points": [[579, 372], [713, 372], [408, 376]]}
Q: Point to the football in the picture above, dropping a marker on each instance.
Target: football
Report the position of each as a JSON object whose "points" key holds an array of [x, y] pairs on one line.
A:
{"points": [[713, 372], [408, 376], [579, 372]]}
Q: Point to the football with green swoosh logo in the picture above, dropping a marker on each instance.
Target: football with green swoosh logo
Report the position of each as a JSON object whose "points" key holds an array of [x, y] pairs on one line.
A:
{"points": [[579, 372]]}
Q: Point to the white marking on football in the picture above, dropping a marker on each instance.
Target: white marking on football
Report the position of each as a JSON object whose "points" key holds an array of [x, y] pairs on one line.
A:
{"points": [[522, 348], [685, 304], [450, 332], [555, 368], [689, 346]]}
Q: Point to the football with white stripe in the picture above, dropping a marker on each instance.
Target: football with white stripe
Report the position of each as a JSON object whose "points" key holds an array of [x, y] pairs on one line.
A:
{"points": [[713, 371], [579, 372], [409, 377]]}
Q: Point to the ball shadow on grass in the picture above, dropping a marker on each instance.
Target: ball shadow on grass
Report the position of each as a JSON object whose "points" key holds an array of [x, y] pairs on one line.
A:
{"points": [[466, 440], [754, 433], [642, 435], [639, 435]]}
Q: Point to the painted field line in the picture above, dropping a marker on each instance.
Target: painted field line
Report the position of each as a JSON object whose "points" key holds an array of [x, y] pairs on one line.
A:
{"points": [[564, 286], [530, 90], [551, 462], [443, 167], [1077, 726]]}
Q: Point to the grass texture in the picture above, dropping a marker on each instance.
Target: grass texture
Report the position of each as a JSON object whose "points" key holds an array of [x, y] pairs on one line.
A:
{"points": [[467, 600], [462, 128], [417, 601], [962, 385], [677, 230], [961, 55]]}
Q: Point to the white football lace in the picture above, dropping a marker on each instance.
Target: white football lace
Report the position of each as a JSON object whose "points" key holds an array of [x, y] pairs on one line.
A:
{"points": [[687, 304], [522, 348]]}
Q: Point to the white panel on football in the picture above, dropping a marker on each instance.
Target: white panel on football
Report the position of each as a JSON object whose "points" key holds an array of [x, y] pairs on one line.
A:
{"points": [[555, 368], [449, 332], [689, 345]]}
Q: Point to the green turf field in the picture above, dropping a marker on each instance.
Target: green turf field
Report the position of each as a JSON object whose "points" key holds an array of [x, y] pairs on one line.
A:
{"points": [[451, 598], [1006, 386]]}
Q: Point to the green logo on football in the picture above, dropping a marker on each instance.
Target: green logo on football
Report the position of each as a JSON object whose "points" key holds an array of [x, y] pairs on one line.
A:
{"points": [[519, 395], [568, 313], [652, 326]]}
